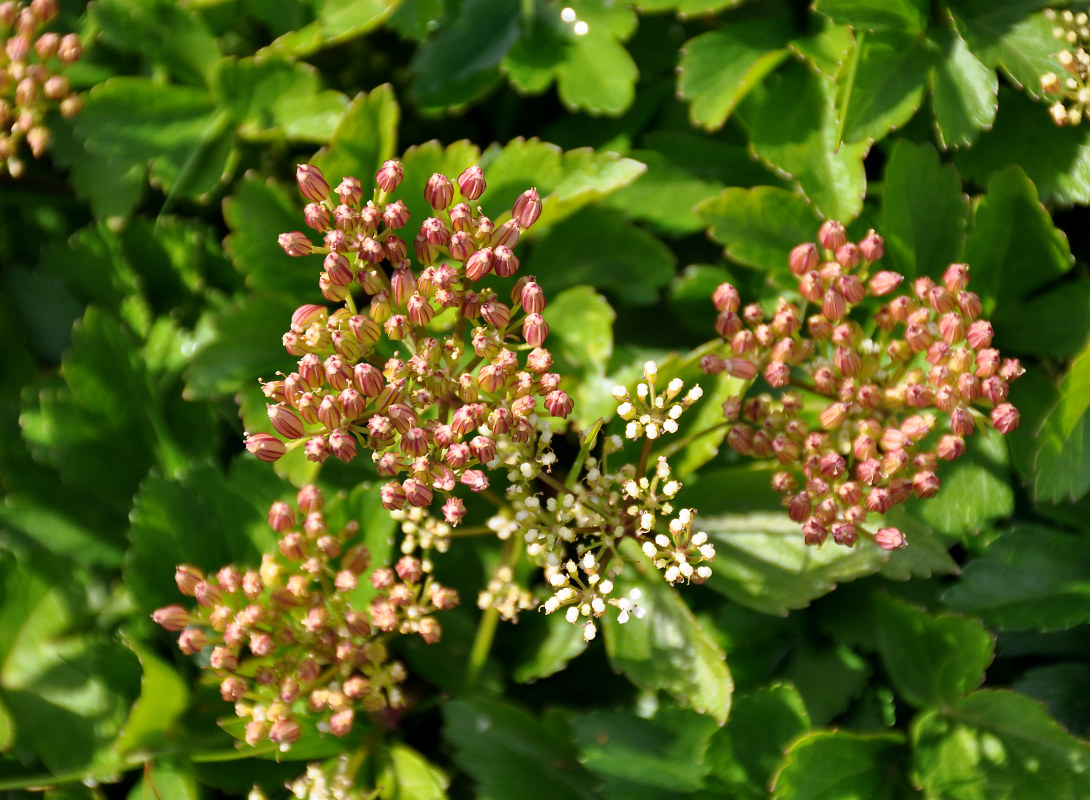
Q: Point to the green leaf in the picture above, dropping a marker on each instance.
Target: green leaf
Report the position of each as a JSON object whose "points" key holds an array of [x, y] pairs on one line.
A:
{"points": [[415, 19], [924, 211], [643, 201], [763, 562], [1030, 578], [761, 726], [162, 779], [703, 449], [410, 776], [885, 88], [839, 765], [164, 697], [55, 530], [338, 21], [998, 744], [532, 61], [799, 138], [197, 518], [1063, 470], [269, 98], [825, 48], [179, 132], [931, 660], [1013, 247], [668, 649], [559, 643], [598, 75], [975, 490], [964, 91], [1056, 159], [1064, 688], [461, 61], [365, 136], [1055, 323], [1007, 35], [908, 15], [719, 68], [581, 325], [687, 6], [510, 754], [600, 248], [759, 226], [665, 751], [257, 212]]}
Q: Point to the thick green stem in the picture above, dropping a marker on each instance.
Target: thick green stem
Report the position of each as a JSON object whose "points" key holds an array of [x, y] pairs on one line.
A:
{"points": [[486, 629]]}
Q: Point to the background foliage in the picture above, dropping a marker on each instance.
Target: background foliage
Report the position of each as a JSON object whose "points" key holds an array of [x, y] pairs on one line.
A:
{"points": [[144, 295]]}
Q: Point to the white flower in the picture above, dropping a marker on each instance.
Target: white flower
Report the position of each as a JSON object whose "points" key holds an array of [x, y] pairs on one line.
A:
{"points": [[630, 606], [572, 614], [589, 631], [620, 393], [674, 386]]}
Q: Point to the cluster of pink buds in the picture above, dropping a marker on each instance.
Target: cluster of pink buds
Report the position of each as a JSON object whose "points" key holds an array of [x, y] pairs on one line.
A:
{"points": [[426, 367], [30, 82], [1071, 92], [292, 638], [896, 397]]}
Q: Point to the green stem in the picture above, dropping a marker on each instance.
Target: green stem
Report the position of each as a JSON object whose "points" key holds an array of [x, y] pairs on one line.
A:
{"points": [[486, 630], [681, 444]]}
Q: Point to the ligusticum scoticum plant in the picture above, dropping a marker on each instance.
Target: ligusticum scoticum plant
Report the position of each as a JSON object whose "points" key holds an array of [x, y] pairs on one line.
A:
{"points": [[432, 363]]}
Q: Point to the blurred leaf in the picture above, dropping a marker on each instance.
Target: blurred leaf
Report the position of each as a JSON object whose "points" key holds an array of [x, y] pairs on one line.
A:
{"points": [[511, 754], [862, 14], [998, 744], [1031, 577], [886, 87], [964, 91], [830, 679], [257, 212], [826, 47], [665, 751], [410, 776], [415, 19], [164, 697], [931, 660], [643, 200], [763, 562], [338, 21], [709, 159], [1063, 469], [709, 417], [1064, 688], [1054, 323], [163, 779], [179, 132], [600, 248], [923, 209], [839, 765], [1013, 246], [598, 77], [532, 61], [690, 296], [975, 490], [197, 518], [669, 649], [461, 61], [581, 331], [799, 138], [365, 137], [1010, 36], [269, 98], [163, 31], [759, 226], [57, 532], [717, 69], [687, 6], [7, 729], [1056, 159], [551, 652], [761, 726]]}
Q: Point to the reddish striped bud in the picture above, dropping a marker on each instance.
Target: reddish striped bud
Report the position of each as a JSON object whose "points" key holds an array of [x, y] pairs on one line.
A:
{"points": [[956, 277], [438, 191], [890, 539], [295, 243], [535, 330], [527, 208], [813, 532], [832, 236], [507, 235], [395, 215], [726, 297], [872, 247], [559, 404], [265, 446], [848, 256], [803, 259], [312, 183], [389, 175], [884, 282], [471, 183], [316, 216], [1005, 418]]}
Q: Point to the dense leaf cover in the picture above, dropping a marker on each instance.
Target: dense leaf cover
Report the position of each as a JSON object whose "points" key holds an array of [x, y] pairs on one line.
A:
{"points": [[676, 145]]}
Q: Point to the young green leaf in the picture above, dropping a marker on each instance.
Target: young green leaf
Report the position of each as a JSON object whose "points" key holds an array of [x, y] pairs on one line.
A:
{"points": [[885, 87], [964, 91]]}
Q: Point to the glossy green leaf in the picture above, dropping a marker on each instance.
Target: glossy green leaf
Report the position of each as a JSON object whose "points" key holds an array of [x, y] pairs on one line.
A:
{"points": [[908, 15], [1055, 323], [841, 765], [1063, 468], [1056, 159], [598, 76], [269, 98], [885, 88], [1013, 246], [719, 68], [760, 226], [337, 21], [164, 697], [687, 6], [665, 197], [162, 779], [826, 47], [198, 518], [58, 532], [415, 19], [761, 726], [510, 754], [669, 649], [365, 136], [559, 643], [179, 132], [1010, 36], [799, 138], [1031, 577], [257, 212], [964, 91], [998, 744], [665, 751], [410, 776], [1064, 688], [600, 248], [581, 339], [976, 489], [450, 74], [930, 660], [924, 211]]}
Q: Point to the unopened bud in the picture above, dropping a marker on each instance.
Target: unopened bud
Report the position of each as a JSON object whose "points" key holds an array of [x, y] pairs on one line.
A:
{"points": [[527, 208]]}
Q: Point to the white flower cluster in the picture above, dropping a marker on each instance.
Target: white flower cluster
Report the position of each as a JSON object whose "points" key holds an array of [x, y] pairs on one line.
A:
{"points": [[649, 413], [505, 595], [681, 553], [317, 784], [421, 529]]}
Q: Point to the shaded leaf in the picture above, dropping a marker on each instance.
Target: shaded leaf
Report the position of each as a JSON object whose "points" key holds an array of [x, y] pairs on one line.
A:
{"points": [[1009, 36], [337, 21], [365, 136], [1063, 468], [257, 212], [895, 14], [885, 88], [551, 652], [581, 325], [839, 765], [410, 776], [964, 91]]}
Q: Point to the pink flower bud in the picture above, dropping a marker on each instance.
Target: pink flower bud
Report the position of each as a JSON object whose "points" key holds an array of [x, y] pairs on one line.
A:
{"points": [[453, 511], [506, 263], [393, 497], [848, 361], [890, 539], [438, 191], [471, 183], [284, 420], [395, 215], [872, 247], [727, 324], [848, 256], [312, 183], [172, 618], [803, 259], [740, 368], [1005, 418], [350, 191], [833, 465], [527, 208], [979, 335], [833, 416], [316, 216], [926, 484], [956, 277], [844, 534], [950, 447], [832, 236], [342, 445], [884, 282], [814, 532], [317, 449], [833, 305], [852, 288], [559, 404], [507, 235], [69, 49], [462, 245], [389, 175], [970, 305], [285, 732], [777, 374], [498, 315], [535, 330], [533, 298], [941, 300], [951, 328], [295, 243], [265, 446], [414, 442], [192, 641], [476, 480], [726, 297]]}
